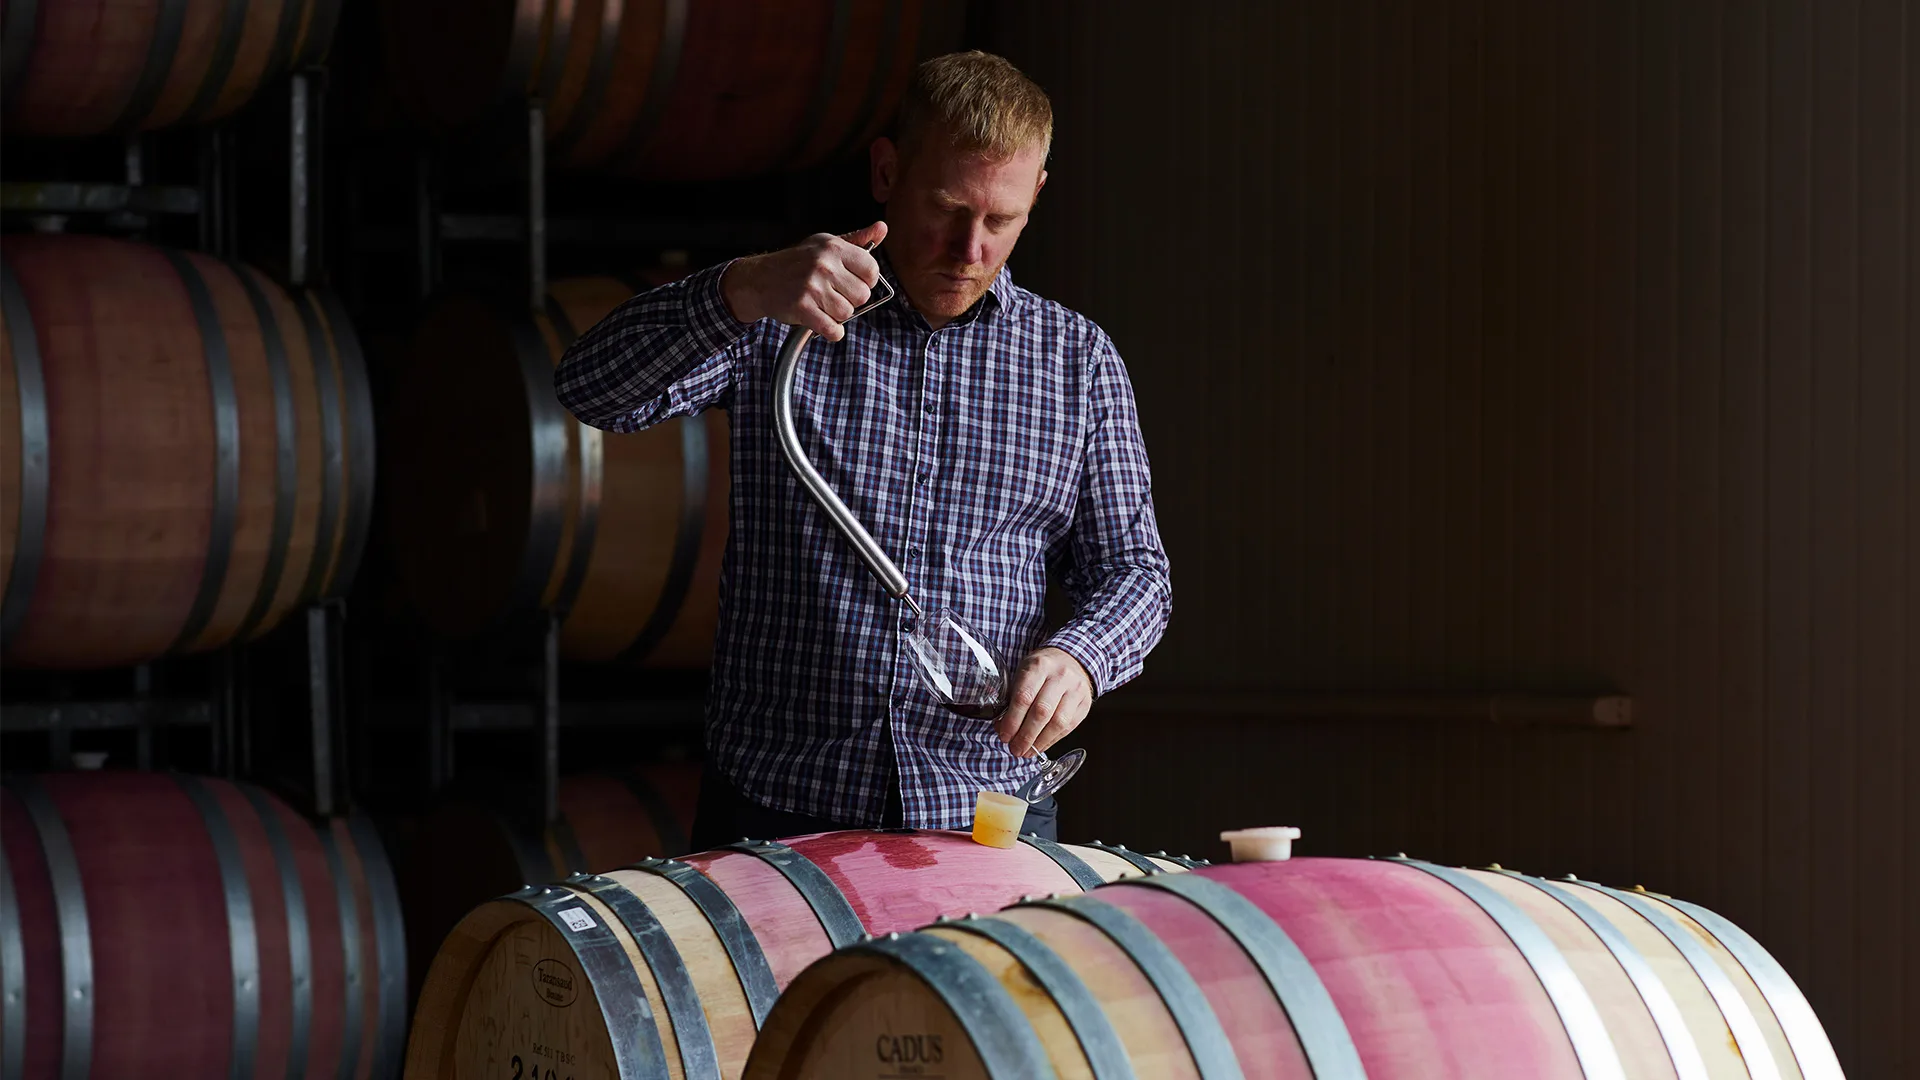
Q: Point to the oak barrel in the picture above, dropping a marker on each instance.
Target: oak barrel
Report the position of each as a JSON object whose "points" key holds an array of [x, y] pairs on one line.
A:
{"points": [[466, 851], [504, 504], [89, 67], [667, 967], [172, 925], [187, 451], [1312, 967], [668, 89]]}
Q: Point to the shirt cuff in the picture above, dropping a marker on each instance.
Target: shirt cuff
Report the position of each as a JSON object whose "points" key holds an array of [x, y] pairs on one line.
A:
{"points": [[710, 321], [1079, 644]]}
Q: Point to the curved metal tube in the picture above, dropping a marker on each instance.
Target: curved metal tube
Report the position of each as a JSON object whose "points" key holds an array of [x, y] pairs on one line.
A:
{"points": [[785, 368]]}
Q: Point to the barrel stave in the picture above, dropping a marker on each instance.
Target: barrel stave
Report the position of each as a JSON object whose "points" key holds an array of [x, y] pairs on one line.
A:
{"points": [[1711, 1034]]}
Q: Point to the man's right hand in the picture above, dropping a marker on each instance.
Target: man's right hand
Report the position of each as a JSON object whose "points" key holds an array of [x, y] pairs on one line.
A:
{"points": [[815, 284]]}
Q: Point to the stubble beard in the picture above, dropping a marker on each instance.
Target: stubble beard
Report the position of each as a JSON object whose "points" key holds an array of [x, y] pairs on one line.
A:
{"points": [[948, 304]]}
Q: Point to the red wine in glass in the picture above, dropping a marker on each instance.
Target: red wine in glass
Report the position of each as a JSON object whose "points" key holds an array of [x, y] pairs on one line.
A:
{"points": [[976, 710]]}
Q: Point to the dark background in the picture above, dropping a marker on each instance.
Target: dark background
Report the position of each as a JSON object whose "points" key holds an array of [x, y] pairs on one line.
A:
{"points": [[1503, 365]]}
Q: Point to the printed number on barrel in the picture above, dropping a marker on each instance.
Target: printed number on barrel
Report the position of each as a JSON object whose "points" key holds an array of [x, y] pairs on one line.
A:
{"points": [[536, 1074]]}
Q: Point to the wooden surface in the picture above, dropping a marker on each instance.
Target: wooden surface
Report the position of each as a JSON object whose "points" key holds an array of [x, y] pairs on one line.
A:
{"points": [[1239, 995], [1556, 348], [527, 1028], [1416, 969], [1778, 1043], [478, 983], [1427, 984], [911, 1022], [162, 976], [748, 88], [1715, 1040], [1630, 1023], [83, 73], [132, 447]]}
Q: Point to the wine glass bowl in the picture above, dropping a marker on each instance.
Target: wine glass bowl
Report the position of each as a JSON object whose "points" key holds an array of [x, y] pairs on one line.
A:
{"points": [[957, 664]]}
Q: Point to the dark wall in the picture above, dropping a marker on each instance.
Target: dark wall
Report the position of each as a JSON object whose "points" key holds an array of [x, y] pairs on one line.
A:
{"points": [[1553, 349]]}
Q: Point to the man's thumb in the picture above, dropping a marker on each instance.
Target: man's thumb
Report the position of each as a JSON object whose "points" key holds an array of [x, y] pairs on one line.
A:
{"points": [[870, 235]]}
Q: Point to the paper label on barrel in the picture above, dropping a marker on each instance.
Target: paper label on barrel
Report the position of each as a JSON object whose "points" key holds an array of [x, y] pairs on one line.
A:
{"points": [[577, 918]]}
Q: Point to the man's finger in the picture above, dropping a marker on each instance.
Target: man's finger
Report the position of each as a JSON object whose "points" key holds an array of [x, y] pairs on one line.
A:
{"points": [[835, 305], [1026, 687], [1073, 709], [1045, 704], [847, 283], [871, 234], [823, 324]]}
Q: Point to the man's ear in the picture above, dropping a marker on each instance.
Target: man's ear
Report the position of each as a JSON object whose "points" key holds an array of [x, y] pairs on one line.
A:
{"points": [[884, 167], [1041, 186]]}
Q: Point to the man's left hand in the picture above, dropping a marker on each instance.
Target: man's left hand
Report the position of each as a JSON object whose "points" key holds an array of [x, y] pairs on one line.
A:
{"points": [[1051, 695]]}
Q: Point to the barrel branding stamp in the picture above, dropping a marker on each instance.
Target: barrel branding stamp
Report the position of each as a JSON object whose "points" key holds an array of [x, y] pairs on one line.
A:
{"points": [[909, 1055], [555, 983]]}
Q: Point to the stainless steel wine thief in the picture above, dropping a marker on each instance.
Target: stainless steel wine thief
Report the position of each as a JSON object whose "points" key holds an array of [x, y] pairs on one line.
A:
{"points": [[786, 366]]}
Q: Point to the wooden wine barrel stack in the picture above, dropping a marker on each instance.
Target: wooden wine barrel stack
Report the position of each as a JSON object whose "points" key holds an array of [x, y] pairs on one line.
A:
{"points": [[187, 451], [169, 925], [666, 89], [1317, 967], [666, 968], [503, 504], [90, 67], [465, 852]]}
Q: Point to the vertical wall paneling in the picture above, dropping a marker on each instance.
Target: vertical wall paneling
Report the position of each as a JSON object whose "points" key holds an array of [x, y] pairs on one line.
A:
{"points": [[1885, 940], [1390, 491], [1492, 552], [1560, 349], [1653, 363], [1430, 253], [1787, 719], [1495, 346], [1739, 848], [1833, 561], [1616, 254], [1353, 378], [1695, 513], [1532, 764]]}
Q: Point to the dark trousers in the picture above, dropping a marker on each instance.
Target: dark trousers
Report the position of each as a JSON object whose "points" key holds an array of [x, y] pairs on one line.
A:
{"points": [[725, 815]]}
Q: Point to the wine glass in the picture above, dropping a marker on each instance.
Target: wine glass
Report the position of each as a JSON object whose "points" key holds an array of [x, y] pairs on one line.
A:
{"points": [[956, 662]]}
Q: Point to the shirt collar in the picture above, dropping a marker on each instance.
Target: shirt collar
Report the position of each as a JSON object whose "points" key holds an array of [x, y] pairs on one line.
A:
{"points": [[1002, 295]]}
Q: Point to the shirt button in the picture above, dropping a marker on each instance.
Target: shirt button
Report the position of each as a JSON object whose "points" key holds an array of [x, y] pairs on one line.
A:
{"points": [[925, 476], [933, 406], [913, 553]]}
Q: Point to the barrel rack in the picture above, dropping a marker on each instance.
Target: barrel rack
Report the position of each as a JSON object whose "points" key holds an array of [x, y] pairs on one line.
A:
{"points": [[133, 204], [484, 196]]}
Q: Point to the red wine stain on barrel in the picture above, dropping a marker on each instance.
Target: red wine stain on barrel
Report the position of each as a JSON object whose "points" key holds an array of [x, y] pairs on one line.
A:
{"points": [[906, 853], [827, 847]]}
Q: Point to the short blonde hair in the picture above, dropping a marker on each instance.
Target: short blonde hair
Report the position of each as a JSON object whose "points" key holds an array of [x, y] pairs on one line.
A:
{"points": [[982, 102]]}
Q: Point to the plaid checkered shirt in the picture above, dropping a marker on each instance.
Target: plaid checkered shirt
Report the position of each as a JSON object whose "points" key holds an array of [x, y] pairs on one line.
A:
{"points": [[981, 457]]}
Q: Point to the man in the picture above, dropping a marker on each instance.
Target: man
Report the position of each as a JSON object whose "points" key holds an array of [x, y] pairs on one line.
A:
{"points": [[983, 435]]}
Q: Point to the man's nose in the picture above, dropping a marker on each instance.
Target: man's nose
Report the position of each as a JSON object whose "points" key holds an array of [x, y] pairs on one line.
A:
{"points": [[969, 243]]}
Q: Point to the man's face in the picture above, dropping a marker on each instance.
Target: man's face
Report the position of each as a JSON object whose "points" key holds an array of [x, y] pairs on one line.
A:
{"points": [[952, 218]]}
